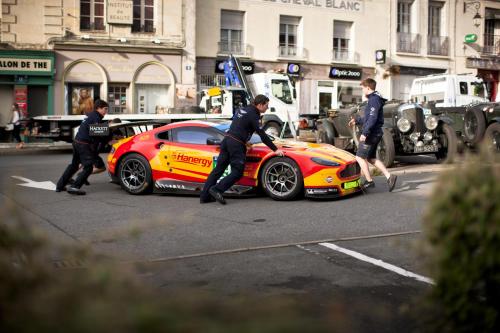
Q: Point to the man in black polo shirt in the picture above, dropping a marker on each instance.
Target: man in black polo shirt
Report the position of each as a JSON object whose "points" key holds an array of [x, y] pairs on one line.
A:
{"points": [[85, 151], [233, 149]]}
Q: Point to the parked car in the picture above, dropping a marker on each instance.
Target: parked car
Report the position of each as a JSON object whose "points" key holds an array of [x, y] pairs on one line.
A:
{"points": [[408, 129], [482, 122], [177, 158]]}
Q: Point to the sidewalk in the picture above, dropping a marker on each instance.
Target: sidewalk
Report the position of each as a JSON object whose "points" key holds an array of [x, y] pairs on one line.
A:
{"points": [[7, 148]]}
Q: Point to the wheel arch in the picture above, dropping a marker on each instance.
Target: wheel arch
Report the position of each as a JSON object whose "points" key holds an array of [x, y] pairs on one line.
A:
{"points": [[122, 157]]}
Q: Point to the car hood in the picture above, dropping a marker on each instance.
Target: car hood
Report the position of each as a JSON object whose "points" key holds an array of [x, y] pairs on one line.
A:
{"points": [[322, 150]]}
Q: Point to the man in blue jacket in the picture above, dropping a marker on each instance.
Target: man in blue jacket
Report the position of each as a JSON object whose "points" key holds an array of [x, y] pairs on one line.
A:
{"points": [[85, 152], [233, 149], [371, 134]]}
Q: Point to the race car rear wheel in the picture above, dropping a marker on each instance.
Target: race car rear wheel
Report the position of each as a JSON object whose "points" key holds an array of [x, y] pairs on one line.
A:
{"points": [[282, 179], [135, 175]]}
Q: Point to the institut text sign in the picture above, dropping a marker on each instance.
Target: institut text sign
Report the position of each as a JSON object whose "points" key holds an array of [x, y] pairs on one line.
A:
{"points": [[120, 11], [345, 5], [25, 65]]}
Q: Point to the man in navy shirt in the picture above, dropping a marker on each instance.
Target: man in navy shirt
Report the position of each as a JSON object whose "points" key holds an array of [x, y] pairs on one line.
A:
{"points": [[371, 134], [85, 151], [233, 149]]}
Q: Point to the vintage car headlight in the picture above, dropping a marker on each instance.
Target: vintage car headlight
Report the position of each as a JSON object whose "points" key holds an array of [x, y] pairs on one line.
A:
{"points": [[428, 136], [431, 123], [322, 161], [414, 137], [404, 125]]}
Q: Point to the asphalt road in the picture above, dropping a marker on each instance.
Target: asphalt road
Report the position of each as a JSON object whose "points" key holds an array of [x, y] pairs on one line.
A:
{"points": [[252, 245]]}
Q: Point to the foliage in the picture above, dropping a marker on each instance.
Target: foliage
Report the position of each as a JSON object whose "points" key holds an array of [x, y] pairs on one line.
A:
{"points": [[462, 239]]}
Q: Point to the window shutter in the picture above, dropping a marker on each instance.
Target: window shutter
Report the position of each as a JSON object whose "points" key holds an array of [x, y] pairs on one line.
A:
{"points": [[231, 20]]}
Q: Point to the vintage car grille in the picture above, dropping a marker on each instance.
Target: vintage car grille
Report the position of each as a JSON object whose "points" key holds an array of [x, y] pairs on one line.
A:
{"points": [[350, 170], [416, 116]]}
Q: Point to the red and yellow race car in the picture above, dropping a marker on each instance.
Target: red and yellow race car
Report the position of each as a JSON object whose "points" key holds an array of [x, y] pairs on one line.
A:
{"points": [[178, 157]]}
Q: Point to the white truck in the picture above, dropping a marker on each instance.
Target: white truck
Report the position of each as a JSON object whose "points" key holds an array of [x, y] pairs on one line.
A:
{"points": [[449, 90], [241, 88]]}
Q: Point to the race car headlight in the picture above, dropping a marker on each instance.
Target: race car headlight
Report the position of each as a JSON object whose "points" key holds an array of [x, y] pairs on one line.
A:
{"points": [[404, 125], [322, 161], [431, 123]]}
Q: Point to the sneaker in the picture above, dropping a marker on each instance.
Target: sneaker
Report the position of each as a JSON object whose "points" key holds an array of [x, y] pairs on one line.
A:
{"points": [[217, 196], [61, 189], [368, 184], [75, 191], [391, 182]]}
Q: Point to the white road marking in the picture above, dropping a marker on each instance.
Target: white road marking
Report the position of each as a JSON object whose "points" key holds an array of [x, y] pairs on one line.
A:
{"points": [[378, 262], [46, 185]]}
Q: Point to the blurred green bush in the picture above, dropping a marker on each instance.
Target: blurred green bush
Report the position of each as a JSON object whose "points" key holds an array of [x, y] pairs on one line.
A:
{"points": [[462, 248]]}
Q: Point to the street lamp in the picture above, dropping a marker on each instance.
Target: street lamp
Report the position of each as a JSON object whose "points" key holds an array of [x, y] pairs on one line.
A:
{"points": [[476, 5]]}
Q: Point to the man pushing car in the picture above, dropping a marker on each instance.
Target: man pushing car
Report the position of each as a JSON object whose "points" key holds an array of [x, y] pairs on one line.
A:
{"points": [[233, 149]]}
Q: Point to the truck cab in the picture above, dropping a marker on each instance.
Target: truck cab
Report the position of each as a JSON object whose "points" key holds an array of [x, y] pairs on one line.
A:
{"points": [[449, 90]]}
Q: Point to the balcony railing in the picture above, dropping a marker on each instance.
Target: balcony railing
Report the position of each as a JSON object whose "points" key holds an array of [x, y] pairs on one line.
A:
{"points": [[438, 45], [408, 43], [237, 48], [211, 80], [491, 44], [344, 55], [291, 51]]}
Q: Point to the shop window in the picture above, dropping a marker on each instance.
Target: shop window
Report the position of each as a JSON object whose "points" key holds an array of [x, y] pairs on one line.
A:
{"points": [[81, 98], [117, 98], [143, 16], [349, 94], [92, 15], [152, 98]]}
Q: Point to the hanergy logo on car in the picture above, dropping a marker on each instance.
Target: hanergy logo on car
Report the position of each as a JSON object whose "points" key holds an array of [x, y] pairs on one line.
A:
{"points": [[181, 157]]}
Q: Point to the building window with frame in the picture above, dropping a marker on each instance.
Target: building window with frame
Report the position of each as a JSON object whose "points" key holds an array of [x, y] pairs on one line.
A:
{"points": [[143, 16], [92, 15], [341, 40], [407, 41], [117, 98], [231, 32], [438, 45], [289, 27]]}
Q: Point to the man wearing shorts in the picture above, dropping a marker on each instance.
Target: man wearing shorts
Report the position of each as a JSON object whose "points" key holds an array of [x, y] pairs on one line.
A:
{"points": [[371, 134]]}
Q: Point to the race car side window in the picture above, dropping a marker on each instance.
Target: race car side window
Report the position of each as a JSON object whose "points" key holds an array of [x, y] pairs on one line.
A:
{"points": [[195, 135], [163, 135]]}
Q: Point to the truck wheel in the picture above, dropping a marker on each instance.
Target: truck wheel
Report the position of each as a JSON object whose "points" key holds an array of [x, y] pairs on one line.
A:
{"points": [[492, 137], [273, 128], [134, 174], [474, 125], [325, 132], [281, 179], [385, 149], [449, 145]]}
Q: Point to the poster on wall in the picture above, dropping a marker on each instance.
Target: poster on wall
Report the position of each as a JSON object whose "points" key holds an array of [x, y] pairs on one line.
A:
{"points": [[21, 98], [82, 100], [185, 95]]}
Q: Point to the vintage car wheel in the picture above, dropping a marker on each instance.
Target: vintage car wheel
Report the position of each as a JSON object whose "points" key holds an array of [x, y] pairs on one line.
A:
{"points": [[385, 149], [474, 125], [135, 175], [449, 144], [281, 179], [272, 128], [492, 137]]}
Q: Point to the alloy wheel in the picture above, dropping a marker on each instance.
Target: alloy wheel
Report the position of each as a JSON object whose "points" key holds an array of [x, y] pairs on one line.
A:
{"points": [[133, 174], [281, 179]]}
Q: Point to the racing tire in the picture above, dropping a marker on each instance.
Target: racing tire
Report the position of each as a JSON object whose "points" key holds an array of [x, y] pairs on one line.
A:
{"points": [[492, 137], [385, 149], [449, 144], [282, 179], [273, 128], [474, 126], [134, 174]]}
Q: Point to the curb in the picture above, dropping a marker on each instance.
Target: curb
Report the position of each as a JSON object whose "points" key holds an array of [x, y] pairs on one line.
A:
{"points": [[29, 148]]}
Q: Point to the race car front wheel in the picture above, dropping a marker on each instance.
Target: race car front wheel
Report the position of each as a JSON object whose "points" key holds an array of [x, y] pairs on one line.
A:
{"points": [[281, 179], [134, 174]]}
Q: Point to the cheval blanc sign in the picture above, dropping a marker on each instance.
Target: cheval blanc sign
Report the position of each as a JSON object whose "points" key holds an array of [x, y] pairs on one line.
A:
{"points": [[344, 5]]}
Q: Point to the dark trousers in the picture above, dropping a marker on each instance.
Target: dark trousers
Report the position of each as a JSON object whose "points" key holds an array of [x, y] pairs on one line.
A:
{"points": [[83, 154], [232, 153], [16, 132]]}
